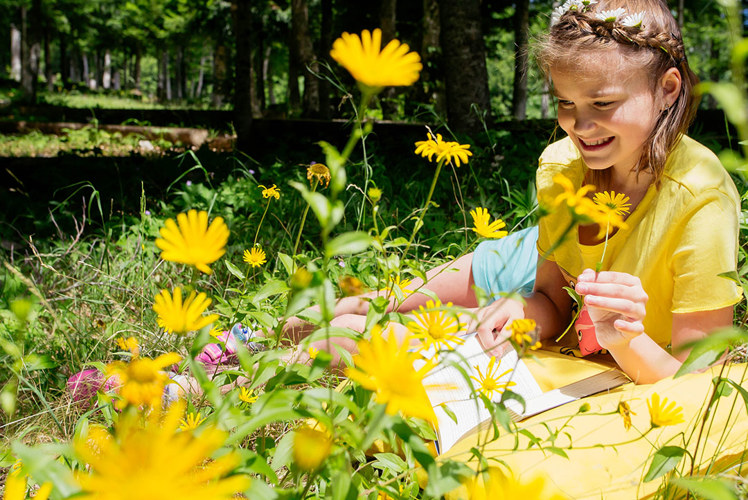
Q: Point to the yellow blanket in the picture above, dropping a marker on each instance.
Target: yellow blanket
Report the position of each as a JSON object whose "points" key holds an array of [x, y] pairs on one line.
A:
{"points": [[604, 459]]}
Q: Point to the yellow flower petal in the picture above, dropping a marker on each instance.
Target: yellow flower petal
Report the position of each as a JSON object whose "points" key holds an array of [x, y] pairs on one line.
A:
{"points": [[191, 241]]}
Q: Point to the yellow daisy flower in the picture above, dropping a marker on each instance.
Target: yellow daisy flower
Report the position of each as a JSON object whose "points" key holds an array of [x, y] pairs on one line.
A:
{"points": [[385, 367], [490, 384], [255, 257], [268, 192], [313, 351], [617, 202], [318, 172], [570, 196], [625, 411], [449, 151], [494, 484], [174, 316], [153, 460], [142, 380], [481, 224], [247, 396], [374, 68], [191, 241], [435, 327], [583, 208], [129, 344], [662, 413], [310, 448], [402, 284], [216, 331], [191, 421], [521, 330]]}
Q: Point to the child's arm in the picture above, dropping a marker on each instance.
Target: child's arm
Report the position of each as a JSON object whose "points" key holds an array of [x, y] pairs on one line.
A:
{"points": [[549, 305], [616, 303]]}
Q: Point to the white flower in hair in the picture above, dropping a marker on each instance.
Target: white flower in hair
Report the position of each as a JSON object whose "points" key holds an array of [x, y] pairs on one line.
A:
{"points": [[557, 13], [633, 20], [573, 5], [587, 3], [610, 16]]}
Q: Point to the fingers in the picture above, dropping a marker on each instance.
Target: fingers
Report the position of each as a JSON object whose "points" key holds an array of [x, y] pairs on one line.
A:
{"points": [[613, 290], [625, 307], [632, 328]]}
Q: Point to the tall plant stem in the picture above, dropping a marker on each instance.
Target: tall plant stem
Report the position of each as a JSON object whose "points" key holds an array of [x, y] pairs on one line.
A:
{"points": [[260, 224], [303, 220], [419, 222]]}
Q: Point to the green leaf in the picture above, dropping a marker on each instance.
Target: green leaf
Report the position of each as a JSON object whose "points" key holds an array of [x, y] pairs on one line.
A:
{"points": [[234, 270], [283, 452], [449, 412], [664, 460], [706, 351], [36, 362], [287, 263], [348, 243], [743, 392], [557, 451], [43, 465], [389, 461], [707, 489], [272, 287], [729, 98]]}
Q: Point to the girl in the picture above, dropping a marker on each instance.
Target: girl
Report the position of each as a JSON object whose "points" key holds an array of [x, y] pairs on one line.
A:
{"points": [[625, 99]]}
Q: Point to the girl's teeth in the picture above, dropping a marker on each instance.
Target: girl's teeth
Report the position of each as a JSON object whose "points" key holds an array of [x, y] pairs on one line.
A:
{"points": [[595, 143]]}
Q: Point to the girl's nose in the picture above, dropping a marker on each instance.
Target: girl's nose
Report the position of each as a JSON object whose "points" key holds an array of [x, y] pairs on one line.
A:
{"points": [[583, 122]]}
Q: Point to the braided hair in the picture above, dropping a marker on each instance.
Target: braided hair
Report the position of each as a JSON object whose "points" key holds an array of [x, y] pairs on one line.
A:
{"points": [[655, 45]]}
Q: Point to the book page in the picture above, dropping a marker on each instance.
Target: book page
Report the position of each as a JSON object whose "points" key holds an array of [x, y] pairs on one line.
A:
{"points": [[449, 384]]}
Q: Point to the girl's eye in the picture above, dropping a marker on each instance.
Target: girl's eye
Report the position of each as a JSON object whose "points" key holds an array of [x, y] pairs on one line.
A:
{"points": [[565, 104], [603, 104]]}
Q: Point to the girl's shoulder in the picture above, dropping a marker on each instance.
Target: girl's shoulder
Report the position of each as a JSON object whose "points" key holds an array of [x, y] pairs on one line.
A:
{"points": [[695, 169], [560, 157]]}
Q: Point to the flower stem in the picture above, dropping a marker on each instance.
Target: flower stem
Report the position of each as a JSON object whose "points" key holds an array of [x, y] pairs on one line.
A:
{"points": [[260, 224], [419, 222], [303, 220]]}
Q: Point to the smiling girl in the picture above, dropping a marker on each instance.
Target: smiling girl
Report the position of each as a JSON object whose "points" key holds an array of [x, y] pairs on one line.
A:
{"points": [[625, 99]]}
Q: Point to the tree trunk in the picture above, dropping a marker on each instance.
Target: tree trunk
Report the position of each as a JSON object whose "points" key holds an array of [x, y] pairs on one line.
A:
{"points": [[200, 78], [164, 79], [465, 71], [137, 70], [180, 67], [430, 88], [302, 56], [387, 20], [265, 76], [257, 87], [84, 70], [324, 51], [15, 53], [30, 50], [521, 33], [220, 75], [75, 69], [64, 61], [680, 14], [545, 99], [106, 77], [48, 73], [242, 13]]}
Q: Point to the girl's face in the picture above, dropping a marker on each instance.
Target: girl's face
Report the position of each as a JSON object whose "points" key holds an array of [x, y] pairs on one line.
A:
{"points": [[607, 109]]}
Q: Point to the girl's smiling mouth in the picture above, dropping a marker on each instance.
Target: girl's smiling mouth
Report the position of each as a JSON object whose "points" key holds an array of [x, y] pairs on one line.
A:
{"points": [[595, 144]]}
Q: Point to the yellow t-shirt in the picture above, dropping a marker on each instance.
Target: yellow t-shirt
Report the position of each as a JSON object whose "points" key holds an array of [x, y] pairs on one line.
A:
{"points": [[679, 238]]}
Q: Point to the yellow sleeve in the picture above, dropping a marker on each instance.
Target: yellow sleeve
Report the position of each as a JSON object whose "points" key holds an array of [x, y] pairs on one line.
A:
{"points": [[705, 247]]}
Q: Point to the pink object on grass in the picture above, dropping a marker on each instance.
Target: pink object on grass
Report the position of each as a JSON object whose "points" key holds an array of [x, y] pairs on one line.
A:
{"points": [[84, 384]]}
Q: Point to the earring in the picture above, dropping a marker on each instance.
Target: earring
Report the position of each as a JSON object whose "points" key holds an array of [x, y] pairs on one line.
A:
{"points": [[666, 108]]}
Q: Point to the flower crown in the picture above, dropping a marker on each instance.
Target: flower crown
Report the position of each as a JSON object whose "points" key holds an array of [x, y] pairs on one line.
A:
{"points": [[608, 16]]}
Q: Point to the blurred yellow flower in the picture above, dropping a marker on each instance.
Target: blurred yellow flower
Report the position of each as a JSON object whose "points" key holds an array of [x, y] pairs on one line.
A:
{"points": [[301, 279], [318, 172], [350, 285], [617, 202], [15, 485], [585, 210], [375, 194], [570, 196], [625, 411], [434, 327], [129, 344], [521, 330], [153, 460], [449, 151], [268, 192], [247, 396], [490, 383], [142, 380], [310, 447], [385, 367], [175, 316], [255, 257], [216, 331], [193, 242], [494, 484], [481, 224], [374, 68], [191, 421], [662, 413], [313, 351]]}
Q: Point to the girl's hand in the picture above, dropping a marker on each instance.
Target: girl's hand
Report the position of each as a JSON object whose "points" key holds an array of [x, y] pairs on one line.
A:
{"points": [[616, 303], [492, 323]]}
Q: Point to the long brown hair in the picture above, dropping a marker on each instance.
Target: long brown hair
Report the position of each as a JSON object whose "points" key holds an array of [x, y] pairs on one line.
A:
{"points": [[655, 46]]}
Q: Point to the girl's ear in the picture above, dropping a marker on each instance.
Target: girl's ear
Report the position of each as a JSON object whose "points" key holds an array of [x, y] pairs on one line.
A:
{"points": [[670, 84]]}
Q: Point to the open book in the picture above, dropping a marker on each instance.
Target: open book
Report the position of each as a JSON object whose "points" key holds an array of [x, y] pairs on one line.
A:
{"points": [[447, 387]]}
